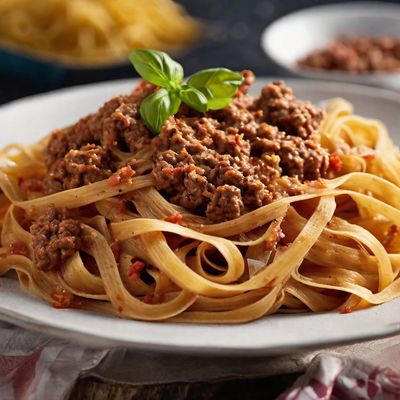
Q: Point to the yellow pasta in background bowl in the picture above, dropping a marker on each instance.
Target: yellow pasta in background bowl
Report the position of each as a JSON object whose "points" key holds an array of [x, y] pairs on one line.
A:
{"points": [[90, 33]]}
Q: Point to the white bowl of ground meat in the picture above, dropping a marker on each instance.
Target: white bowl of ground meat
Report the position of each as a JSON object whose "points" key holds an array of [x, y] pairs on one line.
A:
{"points": [[350, 42]]}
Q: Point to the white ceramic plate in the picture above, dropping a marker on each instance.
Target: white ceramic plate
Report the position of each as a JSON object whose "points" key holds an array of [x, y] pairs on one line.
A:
{"points": [[29, 119], [295, 35]]}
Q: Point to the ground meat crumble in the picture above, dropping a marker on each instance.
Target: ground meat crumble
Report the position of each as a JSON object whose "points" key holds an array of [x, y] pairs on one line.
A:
{"points": [[220, 164], [55, 239], [282, 109], [91, 163], [82, 153], [227, 162]]}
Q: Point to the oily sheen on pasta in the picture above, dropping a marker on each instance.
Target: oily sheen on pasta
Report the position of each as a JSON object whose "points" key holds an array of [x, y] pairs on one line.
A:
{"points": [[270, 205]]}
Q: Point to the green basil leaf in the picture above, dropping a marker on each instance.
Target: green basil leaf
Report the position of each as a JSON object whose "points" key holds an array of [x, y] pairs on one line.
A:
{"points": [[210, 76], [175, 102], [219, 85], [194, 98], [156, 108], [156, 67], [216, 103]]}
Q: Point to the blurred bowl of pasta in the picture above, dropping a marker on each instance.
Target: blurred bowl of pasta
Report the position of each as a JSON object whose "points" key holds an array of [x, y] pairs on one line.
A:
{"points": [[355, 42], [46, 38]]}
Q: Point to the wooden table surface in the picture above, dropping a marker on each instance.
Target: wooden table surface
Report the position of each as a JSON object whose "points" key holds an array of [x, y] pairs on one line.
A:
{"points": [[254, 389]]}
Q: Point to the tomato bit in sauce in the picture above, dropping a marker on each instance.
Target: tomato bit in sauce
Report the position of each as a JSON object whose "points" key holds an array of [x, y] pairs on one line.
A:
{"points": [[62, 300], [335, 163], [122, 176], [175, 218], [18, 248], [135, 268], [346, 310]]}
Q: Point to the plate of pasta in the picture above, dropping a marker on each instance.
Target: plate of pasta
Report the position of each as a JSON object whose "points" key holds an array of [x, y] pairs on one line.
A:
{"points": [[239, 217]]}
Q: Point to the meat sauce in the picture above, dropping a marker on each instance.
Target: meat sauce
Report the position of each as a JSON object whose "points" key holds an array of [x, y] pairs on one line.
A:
{"points": [[220, 164], [357, 55], [227, 162], [55, 239]]}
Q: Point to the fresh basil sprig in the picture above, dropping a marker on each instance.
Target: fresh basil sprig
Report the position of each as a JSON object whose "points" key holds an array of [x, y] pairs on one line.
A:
{"points": [[209, 89]]}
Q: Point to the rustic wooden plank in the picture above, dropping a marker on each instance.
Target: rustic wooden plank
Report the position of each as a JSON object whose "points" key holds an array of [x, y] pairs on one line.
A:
{"points": [[90, 389], [254, 389]]}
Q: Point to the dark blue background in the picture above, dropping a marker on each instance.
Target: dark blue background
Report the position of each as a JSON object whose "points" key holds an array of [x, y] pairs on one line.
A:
{"points": [[232, 40]]}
